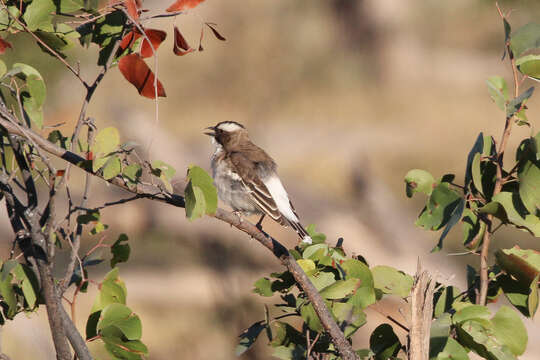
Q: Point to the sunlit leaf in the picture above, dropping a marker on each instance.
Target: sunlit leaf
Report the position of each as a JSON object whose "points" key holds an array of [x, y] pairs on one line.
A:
{"points": [[38, 14], [498, 90], [391, 281], [525, 38], [156, 37], [181, 47], [529, 65], [136, 71], [419, 181], [182, 5], [200, 193]]}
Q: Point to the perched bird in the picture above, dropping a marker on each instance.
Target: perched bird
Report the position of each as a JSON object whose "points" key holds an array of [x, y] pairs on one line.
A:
{"points": [[246, 178]]}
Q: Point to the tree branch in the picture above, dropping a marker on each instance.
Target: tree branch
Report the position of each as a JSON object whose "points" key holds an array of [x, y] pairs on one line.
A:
{"points": [[154, 192], [484, 267], [421, 312]]}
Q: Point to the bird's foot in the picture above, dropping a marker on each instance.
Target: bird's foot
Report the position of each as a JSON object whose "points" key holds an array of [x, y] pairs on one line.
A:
{"points": [[239, 214]]}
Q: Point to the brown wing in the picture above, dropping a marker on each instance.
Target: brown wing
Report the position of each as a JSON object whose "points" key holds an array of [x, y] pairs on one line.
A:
{"points": [[249, 172]]}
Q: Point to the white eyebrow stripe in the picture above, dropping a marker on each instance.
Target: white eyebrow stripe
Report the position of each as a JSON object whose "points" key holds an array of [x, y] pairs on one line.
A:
{"points": [[229, 127]]}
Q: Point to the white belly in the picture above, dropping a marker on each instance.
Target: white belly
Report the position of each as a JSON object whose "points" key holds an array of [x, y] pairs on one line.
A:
{"points": [[231, 190]]}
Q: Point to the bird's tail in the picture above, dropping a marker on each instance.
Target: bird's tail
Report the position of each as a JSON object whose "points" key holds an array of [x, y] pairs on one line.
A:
{"points": [[302, 233]]}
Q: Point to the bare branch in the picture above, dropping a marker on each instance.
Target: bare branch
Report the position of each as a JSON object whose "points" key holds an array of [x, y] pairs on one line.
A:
{"points": [[421, 313], [279, 251]]}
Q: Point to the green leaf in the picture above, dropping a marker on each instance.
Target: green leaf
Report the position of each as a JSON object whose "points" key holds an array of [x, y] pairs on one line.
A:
{"points": [[32, 110], [473, 229], [105, 143], [89, 217], [477, 148], [121, 317], [439, 334], [384, 342], [38, 14], [36, 88], [200, 194], [307, 265], [165, 172], [523, 264], [3, 68], [315, 250], [286, 335], [365, 293], [195, 202], [29, 284], [472, 312], [340, 289], [529, 65], [68, 6], [418, 180], [452, 351], [317, 237], [525, 38], [59, 37], [120, 251], [349, 317], [112, 168], [57, 138], [132, 173], [8, 296], [292, 352], [322, 279], [125, 350], [498, 90], [439, 207], [509, 330], [529, 183], [478, 334], [391, 281], [113, 290], [513, 211], [7, 267], [263, 287], [444, 299], [308, 314], [454, 219], [249, 336], [6, 20], [515, 105]]}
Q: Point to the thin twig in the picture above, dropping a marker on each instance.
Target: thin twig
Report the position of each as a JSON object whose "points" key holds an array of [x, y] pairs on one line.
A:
{"points": [[484, 267], [153, 192]]}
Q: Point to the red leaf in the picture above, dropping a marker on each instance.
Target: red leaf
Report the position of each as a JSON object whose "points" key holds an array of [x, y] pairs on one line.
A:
{"points": [[181, 47], [216, 34], [4, 45], [156, 38], [90, 156], [136, 71], [181, 5], [131, 7], [200, 39], [60, 173], [129, 39]]}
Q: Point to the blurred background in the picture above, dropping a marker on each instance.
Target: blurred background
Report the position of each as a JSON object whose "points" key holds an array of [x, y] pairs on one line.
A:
{"points": [[345, 95]]}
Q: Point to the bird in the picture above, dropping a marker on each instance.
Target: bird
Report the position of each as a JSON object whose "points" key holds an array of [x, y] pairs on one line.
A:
{"points": [[246, 178]]}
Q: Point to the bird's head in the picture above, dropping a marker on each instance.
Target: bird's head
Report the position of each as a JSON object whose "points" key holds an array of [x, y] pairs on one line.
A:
{"points": [[227, 132]]}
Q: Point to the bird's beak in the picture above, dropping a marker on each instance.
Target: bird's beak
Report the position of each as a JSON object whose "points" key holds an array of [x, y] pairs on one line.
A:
{"points": [[211, 133]]}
